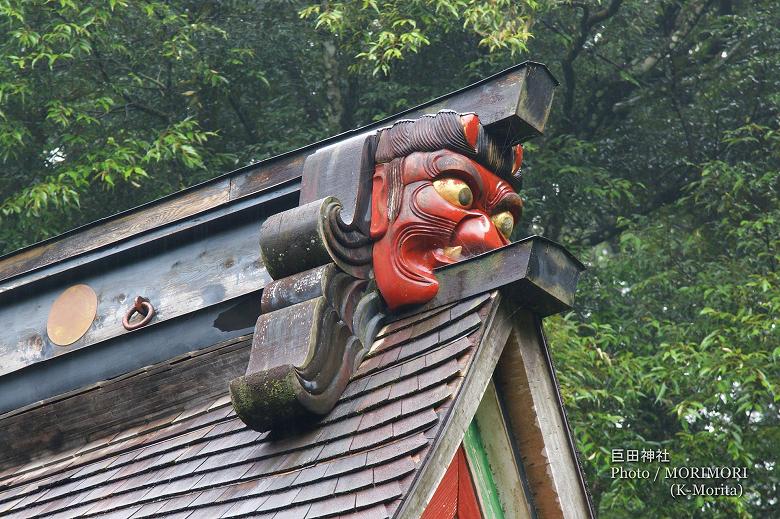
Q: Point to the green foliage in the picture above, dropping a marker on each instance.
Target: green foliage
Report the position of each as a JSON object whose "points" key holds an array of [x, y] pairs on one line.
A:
{"points": [[380, 33], [106, 105], [87, 102], [661, 168], [668, 183], [676, 342]]}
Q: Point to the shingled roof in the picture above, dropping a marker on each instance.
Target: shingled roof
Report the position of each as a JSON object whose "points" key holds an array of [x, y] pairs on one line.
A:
{"points": [[359, 461]]}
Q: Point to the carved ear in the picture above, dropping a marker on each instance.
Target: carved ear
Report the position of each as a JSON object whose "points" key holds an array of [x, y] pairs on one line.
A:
{"points": [[470, 124], [380, 200], [518, 158]]}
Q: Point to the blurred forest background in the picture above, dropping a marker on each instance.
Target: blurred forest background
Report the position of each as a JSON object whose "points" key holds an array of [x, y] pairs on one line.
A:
{"points": [[660, 167]]}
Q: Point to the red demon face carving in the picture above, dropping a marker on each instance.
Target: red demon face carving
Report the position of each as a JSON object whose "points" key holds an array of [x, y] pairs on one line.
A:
{"points": [[430, 209]]}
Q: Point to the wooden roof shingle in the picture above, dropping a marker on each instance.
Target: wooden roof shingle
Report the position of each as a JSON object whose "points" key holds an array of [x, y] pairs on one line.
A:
{"points": [[358, 461]]}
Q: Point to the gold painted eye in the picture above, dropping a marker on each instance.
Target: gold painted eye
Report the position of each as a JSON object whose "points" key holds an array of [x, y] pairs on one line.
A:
{"points": [[504, 222], [454, 191]]}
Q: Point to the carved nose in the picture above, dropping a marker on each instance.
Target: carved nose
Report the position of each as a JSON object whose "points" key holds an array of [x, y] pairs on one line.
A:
{"points": [[477, 234]]}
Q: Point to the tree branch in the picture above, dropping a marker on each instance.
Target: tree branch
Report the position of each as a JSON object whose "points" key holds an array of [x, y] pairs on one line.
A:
{"points": [[587, 21], [249, 128], [685, 22], [606, 233], [125, 95]]}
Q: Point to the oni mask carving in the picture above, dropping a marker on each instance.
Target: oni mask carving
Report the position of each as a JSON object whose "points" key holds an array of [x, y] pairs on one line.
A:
{"points": [[437, 198]]}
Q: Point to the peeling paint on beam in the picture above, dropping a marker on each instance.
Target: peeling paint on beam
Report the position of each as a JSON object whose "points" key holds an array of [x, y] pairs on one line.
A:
{"points": [[183, 268], [113, 357]]}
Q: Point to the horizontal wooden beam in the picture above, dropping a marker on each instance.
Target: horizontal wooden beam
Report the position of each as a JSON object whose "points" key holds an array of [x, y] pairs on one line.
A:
{"points": [[190, 266], [116, 356], [536, 272]]}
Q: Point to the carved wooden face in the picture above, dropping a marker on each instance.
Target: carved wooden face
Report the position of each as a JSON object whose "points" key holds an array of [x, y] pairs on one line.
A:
{"points": [[432, 209]]}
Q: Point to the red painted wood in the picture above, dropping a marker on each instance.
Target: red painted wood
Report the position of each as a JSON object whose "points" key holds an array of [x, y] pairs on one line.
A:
{"points": [[455, 497], [444, 503], [468, 506], [518, 157], [471, 128]]}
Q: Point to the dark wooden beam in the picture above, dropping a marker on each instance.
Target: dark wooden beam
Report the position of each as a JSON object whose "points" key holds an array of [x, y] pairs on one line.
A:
{"points": [[537, 273], [118, 355], [194, 266], [133, 400]]}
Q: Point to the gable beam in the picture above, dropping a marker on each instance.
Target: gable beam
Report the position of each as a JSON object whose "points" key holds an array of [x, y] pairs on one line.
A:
{"points": [[463, 409], [526, 381]]}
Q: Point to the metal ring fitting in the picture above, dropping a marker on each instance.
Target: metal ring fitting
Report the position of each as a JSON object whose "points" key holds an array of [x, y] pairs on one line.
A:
{"points": [[143, 307]]}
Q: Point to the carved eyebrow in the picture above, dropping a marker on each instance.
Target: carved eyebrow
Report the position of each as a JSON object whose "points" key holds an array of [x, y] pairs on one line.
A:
{"points": [[457, 166], [504, 199]]}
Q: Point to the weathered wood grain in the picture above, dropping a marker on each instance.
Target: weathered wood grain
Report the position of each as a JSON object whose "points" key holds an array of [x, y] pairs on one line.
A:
{"points": [[203, 462], [527, 384], [499, 471], [157, 342], [162, 237], [93, 412], [113, 229], [268, 173], [193, 275], [536, 272], [463, 408]]}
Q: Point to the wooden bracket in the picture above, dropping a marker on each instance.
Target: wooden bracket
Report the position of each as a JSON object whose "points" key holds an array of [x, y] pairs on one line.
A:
{"points": [[314, 331], [312, 235]]}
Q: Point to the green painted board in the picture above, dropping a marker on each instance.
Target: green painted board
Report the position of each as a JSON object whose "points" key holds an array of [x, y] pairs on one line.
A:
{"points": [[481, 473]]}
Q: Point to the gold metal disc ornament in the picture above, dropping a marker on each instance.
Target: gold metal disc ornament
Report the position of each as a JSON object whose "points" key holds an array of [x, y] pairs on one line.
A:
{"points": [[71, 315]]}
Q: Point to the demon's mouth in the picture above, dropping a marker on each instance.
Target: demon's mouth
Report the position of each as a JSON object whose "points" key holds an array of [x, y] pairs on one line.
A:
{"points": [[474, 235]]}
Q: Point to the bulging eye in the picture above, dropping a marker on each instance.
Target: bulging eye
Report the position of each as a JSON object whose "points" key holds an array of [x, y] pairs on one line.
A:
{"points": [[454, 191], [504, 222]]}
